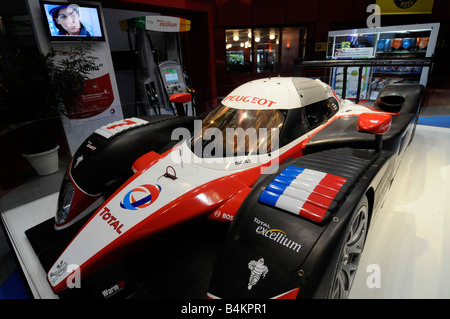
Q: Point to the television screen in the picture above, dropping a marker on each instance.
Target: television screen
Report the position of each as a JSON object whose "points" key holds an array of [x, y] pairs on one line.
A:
{"points": [[68, 22], [171, 75]]}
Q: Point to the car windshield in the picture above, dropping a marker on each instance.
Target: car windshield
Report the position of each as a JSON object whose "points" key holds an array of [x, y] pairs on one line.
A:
{"points": [[233, 132]]}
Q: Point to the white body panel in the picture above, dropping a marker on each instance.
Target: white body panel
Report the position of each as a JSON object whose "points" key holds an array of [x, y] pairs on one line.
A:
{"points": [[191, 171]]}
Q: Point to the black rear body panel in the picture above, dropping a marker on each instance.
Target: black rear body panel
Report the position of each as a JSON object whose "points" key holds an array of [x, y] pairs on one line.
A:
{"points": [[107, 162], [342, 132]]}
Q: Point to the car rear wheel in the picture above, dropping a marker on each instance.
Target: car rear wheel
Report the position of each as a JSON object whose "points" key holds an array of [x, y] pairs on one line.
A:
{"points": [[351, 252]]}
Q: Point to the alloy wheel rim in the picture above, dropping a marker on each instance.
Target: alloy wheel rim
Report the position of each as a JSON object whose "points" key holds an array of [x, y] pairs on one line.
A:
{"points": [[350, 255]]}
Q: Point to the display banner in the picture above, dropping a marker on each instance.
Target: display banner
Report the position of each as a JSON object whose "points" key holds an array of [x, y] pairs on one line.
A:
{"points": [[405, 6], [100, 98], [98, 95]]}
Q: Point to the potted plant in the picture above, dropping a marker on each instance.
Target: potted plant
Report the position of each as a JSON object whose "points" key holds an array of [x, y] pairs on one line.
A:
{"points": [[36, 87], [68, 72]]}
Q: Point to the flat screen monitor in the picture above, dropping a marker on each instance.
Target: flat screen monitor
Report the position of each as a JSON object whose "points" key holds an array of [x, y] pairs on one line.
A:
{"points": [[72, 22], [171, 75]]}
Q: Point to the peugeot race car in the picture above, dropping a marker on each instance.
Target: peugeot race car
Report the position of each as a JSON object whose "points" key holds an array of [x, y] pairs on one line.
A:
{"points": [[298, 171]]}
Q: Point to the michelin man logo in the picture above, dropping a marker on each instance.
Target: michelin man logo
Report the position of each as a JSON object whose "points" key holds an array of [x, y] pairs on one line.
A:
{"points": [[257, 269]]}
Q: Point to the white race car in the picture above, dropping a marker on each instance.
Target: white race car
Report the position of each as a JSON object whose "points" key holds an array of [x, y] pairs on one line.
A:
{"points": [[282, 157]]}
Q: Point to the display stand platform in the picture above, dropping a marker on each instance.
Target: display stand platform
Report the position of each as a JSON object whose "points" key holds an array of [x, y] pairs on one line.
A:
{"points": [[406, 253], [407, 249], [176, 265], [113, 281], [16, 221]]}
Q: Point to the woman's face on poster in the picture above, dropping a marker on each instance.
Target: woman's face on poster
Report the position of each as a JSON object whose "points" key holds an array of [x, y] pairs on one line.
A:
{"points": [[68, 18]]}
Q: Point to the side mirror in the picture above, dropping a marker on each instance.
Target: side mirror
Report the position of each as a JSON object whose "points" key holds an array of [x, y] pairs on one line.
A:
{"points": [[179, 99], [375, 123]]}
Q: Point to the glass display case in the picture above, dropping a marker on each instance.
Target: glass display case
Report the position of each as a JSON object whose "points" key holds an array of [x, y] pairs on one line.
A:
{"points": [[395, 42]]}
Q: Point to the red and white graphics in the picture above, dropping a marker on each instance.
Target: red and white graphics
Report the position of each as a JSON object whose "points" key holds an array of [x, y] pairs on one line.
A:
{"points": [[303, 192], [278, 93], [264, 94], [117, 127], [148, 203]]}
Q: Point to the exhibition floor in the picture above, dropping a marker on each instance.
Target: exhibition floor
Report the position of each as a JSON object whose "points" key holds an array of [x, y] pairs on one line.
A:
{"points": [[406, 254], [407, 249], [34, 189]]}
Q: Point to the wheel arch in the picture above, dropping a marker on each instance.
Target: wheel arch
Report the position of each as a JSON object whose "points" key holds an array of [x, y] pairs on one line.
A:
{"points": [[370, 193]]}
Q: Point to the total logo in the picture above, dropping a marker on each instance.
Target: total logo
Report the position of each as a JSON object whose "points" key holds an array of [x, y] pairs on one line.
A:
{"points": [[140, 197]]}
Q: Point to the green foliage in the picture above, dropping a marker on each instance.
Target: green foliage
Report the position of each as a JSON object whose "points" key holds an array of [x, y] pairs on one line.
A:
{"points": [[68, 72], [35, 86]]}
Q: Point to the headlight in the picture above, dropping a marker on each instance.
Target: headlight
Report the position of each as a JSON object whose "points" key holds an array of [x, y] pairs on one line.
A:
{"points": [[66, 194], [73, 203]]}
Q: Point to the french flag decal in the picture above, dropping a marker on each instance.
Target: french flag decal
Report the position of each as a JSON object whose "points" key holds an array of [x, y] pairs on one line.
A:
{"points": [[303, 192]]}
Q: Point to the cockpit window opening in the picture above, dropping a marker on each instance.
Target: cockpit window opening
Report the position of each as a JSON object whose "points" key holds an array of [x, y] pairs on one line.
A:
{"points": [[234, 132]]}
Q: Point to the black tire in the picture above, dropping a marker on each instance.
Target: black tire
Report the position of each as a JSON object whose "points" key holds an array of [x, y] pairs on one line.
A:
{"points": [[351, 251]]}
